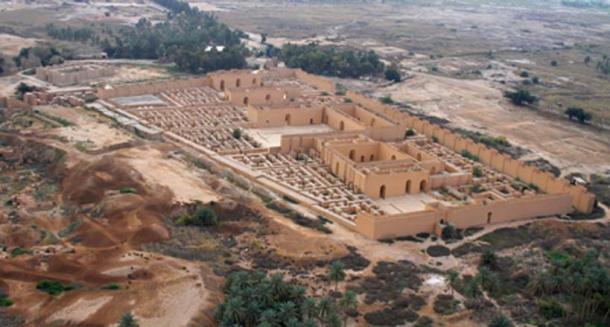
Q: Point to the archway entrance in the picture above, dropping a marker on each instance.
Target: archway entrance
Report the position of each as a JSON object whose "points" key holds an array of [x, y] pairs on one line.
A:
{"points": [[408, 187], [245, 101], [287, 119], [342, 126], [489, 217], [352, 154], [422, 186], [382, 192], [222, 85], [238, 83]]}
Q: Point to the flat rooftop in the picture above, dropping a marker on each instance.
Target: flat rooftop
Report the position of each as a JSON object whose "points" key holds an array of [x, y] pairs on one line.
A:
{"points": [[404, 204], [272, 137]]}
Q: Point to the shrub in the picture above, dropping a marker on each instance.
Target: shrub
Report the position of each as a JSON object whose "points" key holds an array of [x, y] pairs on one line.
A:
{"points": [[4, 300], [550, 309], [410, 132], [127, 190], [19, 251], [449, 232], [445, 304], [468, 155], [489, 259], [387, 100], [392, 74], [554, 63], [201, 217], [112, 287], [477, 172], [128, 321], [578, 113], [53, 287], [521, 97], [438, 251], [237, 133], [500, 321]]}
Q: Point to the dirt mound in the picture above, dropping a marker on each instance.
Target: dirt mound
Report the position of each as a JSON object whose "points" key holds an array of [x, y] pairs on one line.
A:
{"points": [[87, 182], [123, 207]]}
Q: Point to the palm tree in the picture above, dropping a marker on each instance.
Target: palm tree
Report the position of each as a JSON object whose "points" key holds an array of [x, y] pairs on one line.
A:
{"points": [[309, 309], [326, 307], [348, 302], [337, 273]]}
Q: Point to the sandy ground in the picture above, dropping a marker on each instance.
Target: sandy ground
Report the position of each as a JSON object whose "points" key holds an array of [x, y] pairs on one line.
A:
{"points": [[157, 168], [11, 44], [88, 131], [477, 105], [125, 74]]}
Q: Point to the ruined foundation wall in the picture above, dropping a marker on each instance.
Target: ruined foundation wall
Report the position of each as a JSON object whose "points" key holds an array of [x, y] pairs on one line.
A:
{"points": [[150, 88], [320, 83]]}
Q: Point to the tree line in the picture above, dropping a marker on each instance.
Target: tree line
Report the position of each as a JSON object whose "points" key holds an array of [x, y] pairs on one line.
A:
{"points": [[332, 61], [68, 33], [196, 41]]}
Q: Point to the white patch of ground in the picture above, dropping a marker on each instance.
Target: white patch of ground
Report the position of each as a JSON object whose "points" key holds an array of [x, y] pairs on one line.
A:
{"points": [[476, 104], [80, 310], [87, 131], [156, 168]]}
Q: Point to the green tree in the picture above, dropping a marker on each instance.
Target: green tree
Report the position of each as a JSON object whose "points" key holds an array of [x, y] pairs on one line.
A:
{"points": [[392, 73], [331, 61], [237, 133], [253, 299], [22, 89], [578, 113], [521, 97], [336, 273], [128, 321], [348, 303]]}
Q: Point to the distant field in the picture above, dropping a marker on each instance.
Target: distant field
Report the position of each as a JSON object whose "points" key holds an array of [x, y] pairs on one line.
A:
{"points": [[532, 33]]}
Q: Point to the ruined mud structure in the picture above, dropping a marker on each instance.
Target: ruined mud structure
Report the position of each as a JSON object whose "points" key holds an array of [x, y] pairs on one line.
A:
{"points": [[365, 165], [73, 74]]}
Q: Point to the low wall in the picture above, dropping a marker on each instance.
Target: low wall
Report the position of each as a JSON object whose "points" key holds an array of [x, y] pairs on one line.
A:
{"points": [[149, 88], [320, 83], [12, 102], [509, 210], [386, 227]]}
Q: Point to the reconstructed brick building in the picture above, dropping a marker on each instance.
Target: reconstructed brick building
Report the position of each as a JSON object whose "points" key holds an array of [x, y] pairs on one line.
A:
{"points": [[347, 157]]}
